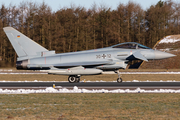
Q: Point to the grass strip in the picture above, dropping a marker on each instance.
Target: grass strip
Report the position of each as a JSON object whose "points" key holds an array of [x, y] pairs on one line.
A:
{"points": [[90, 106]]}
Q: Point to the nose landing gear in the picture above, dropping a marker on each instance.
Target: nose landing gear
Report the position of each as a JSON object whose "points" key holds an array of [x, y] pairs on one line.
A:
{"points": [[119, 79]]}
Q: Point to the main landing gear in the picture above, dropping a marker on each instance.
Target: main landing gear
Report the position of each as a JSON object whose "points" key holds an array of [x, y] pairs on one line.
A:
{"points": [[119, 79], [74, 78]]}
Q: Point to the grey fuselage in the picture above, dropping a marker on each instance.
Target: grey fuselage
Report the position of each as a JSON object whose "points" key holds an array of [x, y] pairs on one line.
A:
{"points": [[109, 58]]}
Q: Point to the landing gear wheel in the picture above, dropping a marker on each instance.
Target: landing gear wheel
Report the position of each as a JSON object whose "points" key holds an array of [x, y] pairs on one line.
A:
{"points": [[72, 79], [119, 80]]}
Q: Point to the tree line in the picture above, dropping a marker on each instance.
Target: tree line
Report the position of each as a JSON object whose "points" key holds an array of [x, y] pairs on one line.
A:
{"points": [[78, 28]]}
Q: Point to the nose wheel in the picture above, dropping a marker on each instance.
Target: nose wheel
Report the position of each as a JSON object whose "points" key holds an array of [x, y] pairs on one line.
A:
{"points": [[73, 79], [119, 79]]}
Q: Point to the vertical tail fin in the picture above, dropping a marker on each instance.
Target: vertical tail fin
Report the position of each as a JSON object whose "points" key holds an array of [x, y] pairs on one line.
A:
{"points": [[23, 45]]}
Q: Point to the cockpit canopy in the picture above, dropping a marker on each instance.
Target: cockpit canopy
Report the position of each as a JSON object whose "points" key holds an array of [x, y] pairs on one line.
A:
{"points": [[130, 45]]}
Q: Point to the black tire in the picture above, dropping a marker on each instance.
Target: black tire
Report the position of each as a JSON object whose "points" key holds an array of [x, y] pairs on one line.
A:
{"points": [[72, 79], [119, 80]]}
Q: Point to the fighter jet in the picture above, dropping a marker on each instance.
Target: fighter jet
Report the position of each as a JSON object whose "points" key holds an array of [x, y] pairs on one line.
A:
{"points": [[32, 56]]}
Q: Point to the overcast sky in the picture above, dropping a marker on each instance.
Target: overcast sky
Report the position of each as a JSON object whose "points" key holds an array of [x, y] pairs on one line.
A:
{"points": [[57, 4]]}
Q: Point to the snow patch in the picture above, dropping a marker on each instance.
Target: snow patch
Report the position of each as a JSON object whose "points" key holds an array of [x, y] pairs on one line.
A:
{"points": [[77, 90], [149, 72], [169, 39], [143, 73]]}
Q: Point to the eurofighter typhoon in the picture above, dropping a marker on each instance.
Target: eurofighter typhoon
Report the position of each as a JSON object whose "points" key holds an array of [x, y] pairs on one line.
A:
{"points": [[32, 56]]}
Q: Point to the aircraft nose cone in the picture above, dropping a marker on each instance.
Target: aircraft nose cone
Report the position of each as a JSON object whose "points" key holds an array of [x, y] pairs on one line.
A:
{"points": [[162, 55]]}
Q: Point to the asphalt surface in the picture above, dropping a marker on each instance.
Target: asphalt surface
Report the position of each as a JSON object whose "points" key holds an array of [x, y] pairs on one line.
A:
{"points": [[93, 85]]}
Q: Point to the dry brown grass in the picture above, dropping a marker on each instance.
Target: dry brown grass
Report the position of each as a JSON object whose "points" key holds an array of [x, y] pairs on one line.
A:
{"points": [[90, 106]]}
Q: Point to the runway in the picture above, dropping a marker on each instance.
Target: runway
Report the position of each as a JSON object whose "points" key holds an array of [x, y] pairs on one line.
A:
{"points": [[92, 85]]}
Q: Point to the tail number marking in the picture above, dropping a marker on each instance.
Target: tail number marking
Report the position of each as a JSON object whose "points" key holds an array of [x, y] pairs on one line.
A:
{"points": [[103, 56]]}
